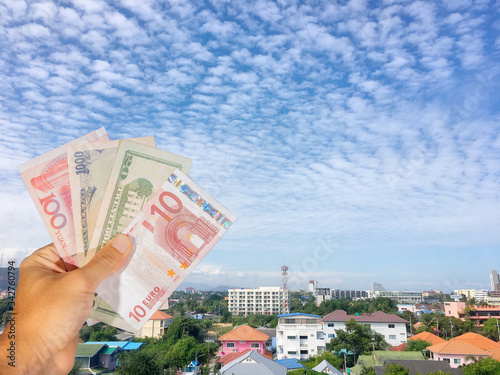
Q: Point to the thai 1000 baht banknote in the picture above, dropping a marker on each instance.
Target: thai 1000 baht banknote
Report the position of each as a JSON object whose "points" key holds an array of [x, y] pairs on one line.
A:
{"points": [[137, 172], [172, 234], [89, 168], [47, 180]]}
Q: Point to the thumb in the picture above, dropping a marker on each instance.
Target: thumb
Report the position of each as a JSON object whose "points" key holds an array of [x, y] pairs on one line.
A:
{"points": [[108, 261]]}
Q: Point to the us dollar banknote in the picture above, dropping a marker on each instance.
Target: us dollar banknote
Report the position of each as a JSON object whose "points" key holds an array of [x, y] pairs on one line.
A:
{"points": [[89, 169], [137, 172]]}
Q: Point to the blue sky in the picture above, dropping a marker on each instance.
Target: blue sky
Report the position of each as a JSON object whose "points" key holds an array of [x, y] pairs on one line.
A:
{"points": [[356, 141]]}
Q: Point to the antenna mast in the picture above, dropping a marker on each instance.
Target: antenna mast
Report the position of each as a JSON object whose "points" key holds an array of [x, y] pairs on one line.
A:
{"points": [[284, 278]]}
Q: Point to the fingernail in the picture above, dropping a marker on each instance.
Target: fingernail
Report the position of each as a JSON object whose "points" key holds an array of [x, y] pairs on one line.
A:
{"points": [[121, 243]]}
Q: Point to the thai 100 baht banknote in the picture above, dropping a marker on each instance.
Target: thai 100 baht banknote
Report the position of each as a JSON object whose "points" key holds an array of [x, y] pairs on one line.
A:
{"points": [[89, 168], [47, 180], [172, 234], [137, 172]]}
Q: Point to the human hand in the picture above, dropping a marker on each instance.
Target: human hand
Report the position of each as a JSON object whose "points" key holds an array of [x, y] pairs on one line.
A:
{"points": [[51, 306]]}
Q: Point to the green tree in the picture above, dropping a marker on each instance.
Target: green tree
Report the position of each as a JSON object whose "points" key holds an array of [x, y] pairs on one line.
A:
{"points": [[304, 372], [182, 327], [142, 362], [332, 359], [490, 329], [486, 366], [357, 338], [367, 370], [416, 345], [107, 333], [394, 369]]}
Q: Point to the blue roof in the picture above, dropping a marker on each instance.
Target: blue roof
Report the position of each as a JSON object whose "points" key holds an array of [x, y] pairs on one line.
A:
{"points": [[297, 314], [290, 363], [125, 345], [133, 345]]}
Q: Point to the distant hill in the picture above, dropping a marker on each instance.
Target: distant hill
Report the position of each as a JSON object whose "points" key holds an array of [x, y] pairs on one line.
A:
{"points": [[4, 277], [204, 287], [198, 286]]}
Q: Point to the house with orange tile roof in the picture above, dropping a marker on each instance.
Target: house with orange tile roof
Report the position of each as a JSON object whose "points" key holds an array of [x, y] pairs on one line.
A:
{"points": [[427, 336], [492, 347], [156, 326], [457, 353], [242, 338]]}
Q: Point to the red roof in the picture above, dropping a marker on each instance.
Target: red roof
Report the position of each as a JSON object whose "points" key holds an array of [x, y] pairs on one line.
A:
{"points": [[160, 315], [376, 317], [400, 347], [232, 356]]}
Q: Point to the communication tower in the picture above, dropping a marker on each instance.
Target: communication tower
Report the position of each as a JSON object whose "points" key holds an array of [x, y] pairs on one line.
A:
{"points": [[284, 278]]}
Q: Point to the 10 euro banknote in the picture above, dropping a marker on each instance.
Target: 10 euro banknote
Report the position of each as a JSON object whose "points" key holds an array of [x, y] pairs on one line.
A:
{"points": [[172, 234]]}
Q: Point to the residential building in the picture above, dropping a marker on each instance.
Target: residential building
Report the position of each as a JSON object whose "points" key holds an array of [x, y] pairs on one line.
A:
{"points": [[100, 357], [456, 353], [493, 300], [322, 294], [264, 300], [431, 293], [251, 362], [326, 368], [453, 308], [392, 327], [495, 281], [427, 336], [419, 308], [349, 294], [156, 326], [399, 296], [299, 336], [478, 294], [480, 314], [244, 337], [492, 347]]}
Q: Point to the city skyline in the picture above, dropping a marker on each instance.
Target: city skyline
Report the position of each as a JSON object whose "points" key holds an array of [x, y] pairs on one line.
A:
{"points": [[355, 141]]}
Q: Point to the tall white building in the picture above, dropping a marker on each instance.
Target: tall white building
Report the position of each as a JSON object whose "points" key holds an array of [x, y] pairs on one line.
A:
{"points": [[264, 300], [299, 336], [495, 281], [391, 326], [311, 286]]}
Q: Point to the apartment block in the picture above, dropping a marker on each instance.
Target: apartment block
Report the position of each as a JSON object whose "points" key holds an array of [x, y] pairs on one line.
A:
{"points": [[391, 326], [349, 294], [264, 300], [399, 297], [299, 336], [322, 294]]}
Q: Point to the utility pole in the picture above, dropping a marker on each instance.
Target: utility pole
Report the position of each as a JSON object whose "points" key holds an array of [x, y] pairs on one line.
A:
{"points": [[411, 327], [451, 325], [498, 329]]}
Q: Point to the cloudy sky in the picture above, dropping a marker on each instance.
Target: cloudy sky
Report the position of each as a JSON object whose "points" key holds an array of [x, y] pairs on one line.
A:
{"points": [[356, 141]]}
